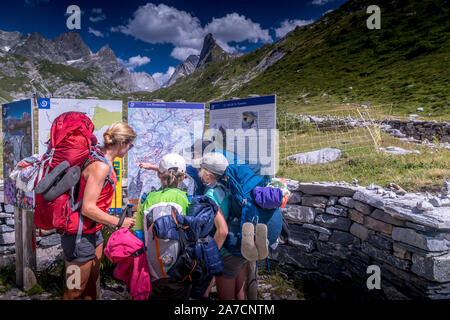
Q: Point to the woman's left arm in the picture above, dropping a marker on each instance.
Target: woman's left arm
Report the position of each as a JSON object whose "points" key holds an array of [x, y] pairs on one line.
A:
{"points": [[221, 229]]}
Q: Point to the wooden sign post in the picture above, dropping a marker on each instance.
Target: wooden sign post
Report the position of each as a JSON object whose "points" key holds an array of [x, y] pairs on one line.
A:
{"points": [[19, 247], [25, 249], [29, 250]]}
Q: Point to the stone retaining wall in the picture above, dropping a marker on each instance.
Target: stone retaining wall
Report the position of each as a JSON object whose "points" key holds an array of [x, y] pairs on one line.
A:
{"points": [[48, 243], [417, 129], [420, 130], [338, 230]]}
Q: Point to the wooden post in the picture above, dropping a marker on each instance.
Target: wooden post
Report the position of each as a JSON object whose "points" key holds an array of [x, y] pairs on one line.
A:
{"points": [[29, 251], [19, 246]]}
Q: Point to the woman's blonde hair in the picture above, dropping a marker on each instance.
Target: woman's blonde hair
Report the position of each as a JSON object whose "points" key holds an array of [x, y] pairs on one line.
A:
{"points": [[171, 179], [118, 132]]}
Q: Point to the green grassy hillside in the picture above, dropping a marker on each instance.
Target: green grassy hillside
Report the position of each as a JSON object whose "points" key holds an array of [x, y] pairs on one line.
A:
{"points": [[406, 63]]}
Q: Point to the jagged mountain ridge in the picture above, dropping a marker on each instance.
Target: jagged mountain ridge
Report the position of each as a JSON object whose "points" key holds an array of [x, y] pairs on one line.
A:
{"points": [[69, 50], [211, 52], [184, 69]]}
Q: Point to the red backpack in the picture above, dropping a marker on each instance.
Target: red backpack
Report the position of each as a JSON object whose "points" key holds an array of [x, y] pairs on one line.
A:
{"points": [[71, 140]]}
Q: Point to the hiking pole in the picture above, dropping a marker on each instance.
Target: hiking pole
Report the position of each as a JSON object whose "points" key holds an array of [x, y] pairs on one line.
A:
{"points": [[126, 213]]}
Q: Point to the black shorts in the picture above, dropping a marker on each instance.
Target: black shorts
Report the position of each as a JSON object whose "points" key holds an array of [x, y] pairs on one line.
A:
{"points": [[85, 249]]}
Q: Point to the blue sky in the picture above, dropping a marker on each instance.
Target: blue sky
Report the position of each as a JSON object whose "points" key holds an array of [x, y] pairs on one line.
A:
{"points": [[16, 109], [155, 36]]}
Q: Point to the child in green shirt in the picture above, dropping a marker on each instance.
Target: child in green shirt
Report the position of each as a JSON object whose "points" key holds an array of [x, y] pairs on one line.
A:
{"points": [[171, 172]]}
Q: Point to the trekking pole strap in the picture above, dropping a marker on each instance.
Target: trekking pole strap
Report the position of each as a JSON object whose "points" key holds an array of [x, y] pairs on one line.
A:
{"points": [[79, 231], [121, 219]]}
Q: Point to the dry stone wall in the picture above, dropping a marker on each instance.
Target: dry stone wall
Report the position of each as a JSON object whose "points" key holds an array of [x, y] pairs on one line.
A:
{"points": [[337, 230]]}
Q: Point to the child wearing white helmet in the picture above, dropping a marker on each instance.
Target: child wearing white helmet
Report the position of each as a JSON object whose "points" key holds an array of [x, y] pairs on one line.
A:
{"points": [[171, 172]]}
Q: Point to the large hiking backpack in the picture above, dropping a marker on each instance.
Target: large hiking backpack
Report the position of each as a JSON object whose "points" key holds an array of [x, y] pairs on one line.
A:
{"points": [[241, 182], [172, 241], [70, 149], [161, 253]]}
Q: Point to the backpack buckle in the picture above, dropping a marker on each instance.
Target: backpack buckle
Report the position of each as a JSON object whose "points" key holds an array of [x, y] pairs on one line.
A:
{"points": [[138, 252]]}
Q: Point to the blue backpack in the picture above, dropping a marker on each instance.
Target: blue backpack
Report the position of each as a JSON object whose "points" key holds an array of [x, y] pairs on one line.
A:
{"points": [[242, 179]]}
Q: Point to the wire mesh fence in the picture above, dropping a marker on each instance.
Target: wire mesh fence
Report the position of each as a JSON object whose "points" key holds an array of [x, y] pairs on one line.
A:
{"points": [[350, 129]]}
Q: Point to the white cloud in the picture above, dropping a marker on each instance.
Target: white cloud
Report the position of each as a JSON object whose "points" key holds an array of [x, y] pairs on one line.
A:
{"points": [[320, 2], [97, 15], [162, 78], [96, 32], [235, 27], [182, 53], [134, 62], [327, 12], [163, 24], [288, 25], [225, 46]]}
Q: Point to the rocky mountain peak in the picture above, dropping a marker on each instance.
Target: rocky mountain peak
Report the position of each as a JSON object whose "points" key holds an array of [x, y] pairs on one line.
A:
{"points": [[71, 46], [184, 69], [10, 39], [107, 53], [143, 82], [211, 52]]}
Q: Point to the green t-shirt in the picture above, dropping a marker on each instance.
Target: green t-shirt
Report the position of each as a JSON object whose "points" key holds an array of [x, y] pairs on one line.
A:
{"points": [[167, 195], [218, 195]]}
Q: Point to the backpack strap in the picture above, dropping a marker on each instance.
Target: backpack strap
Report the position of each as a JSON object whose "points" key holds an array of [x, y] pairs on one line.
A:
{"points": [[158, 251], [79, 231], [48, 157], [96, 155], [76, 206]]}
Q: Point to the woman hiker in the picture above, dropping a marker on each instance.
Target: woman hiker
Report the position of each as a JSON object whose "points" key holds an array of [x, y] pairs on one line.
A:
{"points": [[118, 139]]}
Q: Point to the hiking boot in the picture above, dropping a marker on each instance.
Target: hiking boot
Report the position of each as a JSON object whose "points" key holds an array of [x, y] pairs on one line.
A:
{"points": [[261, 242], [248, 247]]}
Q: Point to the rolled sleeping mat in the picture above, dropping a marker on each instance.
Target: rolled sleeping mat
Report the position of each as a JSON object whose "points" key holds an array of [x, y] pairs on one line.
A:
{"points": [[69, 180], [49, 179]]}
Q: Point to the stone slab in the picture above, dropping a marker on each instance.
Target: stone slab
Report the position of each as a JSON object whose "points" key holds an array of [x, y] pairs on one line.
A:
{"points": [[428, 242], [369, 198], [327, 189], [432, 268], [356, 216], [333, 222], [377, 225], [299, 214], [360, 231], [314, 201]]}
